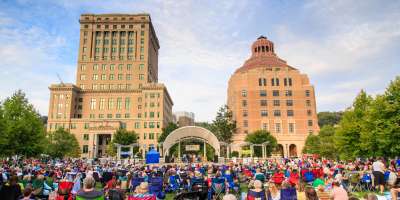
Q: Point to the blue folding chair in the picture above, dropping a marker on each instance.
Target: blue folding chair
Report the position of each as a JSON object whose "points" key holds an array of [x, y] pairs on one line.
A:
{"points": [[174, 183], [136, 182], [156, 187], [217, 188]]}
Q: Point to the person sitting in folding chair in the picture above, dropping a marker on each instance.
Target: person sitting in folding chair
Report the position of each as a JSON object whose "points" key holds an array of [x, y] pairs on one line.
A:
{"points": [[218, 186], [174, 182], [256, 193], [156, 186]]}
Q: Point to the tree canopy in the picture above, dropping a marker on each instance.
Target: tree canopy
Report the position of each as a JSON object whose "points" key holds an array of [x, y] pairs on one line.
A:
{"points": [[22, 131], [223, 125], [329, 118], [62, 144], [259, 137], [166, 131]]}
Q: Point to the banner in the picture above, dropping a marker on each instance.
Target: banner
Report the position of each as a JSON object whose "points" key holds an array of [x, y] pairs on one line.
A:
{"points": [[194, 147]]}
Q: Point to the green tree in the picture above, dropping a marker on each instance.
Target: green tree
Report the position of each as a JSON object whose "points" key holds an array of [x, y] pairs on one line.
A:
{"points": [[312, 144], [259, 137], [62, 144], [224, 126], [329, 118], [350, 128], [166, 131], [124, 137], [327, 143], [24, 132]]}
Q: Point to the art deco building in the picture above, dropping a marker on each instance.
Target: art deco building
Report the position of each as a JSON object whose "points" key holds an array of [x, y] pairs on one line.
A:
{"points": [[116, 84], [267, 93]]}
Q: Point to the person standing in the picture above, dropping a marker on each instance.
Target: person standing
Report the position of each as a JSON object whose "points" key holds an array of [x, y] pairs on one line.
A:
{"points": [[338, 193], [378, 169]]}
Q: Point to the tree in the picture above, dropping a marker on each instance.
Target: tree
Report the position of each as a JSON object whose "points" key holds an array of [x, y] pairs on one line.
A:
{"points": [[327, 147], [123, 137], [312, 144], [24, 132], [223, 126], [329, 118], [350, 128], [260, 137], [166, 131], [62, 144]]}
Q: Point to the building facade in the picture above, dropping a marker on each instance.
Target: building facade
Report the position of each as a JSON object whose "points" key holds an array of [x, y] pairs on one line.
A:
{"points": [[116, 85], [267, 93], [184, 118]]}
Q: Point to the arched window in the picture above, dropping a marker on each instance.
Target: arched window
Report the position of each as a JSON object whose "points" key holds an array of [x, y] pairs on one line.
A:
{"points": [[255, 49], [265, 82], [277, 81], [263, 49], [267, 48]]}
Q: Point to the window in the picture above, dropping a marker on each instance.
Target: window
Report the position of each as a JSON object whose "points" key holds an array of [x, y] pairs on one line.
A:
{"points": [[290, 81], [308, 102], [141, 66], [290, 113], [263, 102], [144, 135], [309, 113], [119, 103], [141, 57], [118, 115], [277, 113], [141, 76], [137, 125], [145, 125], [264, 113], [86, 125], [95, 67], [127, 103], [92, 103], [129, 77], [289, 102], [151, 136], [91, 116], [111, 77], [291, 127], [244, 103], [277, 82], [83, 67], [101, 116], [95, 77], [245, 123], [83, 77], [95, 87], [85, 149], [129, 67], [307, 93], [245, 113], [103, 77], [127, 115], [120, 67], [110, 103], [120, 76], [272, 81], [275, 93], [263, 93], [151, 125], [85, 136], [264, 126], [109, 116], [151, 114], [288, 93], [259, 82], [102, 103], [244, 93], [277, 103], [278, 127], [310, 122]]}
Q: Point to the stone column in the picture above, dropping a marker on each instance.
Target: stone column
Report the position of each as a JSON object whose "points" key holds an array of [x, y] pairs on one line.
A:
{"points": [[179, 150], [205, 151]]}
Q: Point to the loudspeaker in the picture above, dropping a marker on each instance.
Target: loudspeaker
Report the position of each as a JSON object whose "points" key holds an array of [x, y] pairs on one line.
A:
{"points": [[215, 158]]}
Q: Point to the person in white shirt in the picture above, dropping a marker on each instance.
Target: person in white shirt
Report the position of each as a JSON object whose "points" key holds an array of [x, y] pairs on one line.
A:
{"points": [[378, 169]]}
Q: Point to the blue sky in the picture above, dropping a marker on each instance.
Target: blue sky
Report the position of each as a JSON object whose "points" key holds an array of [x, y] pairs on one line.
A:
{"points": [[344, 46]]}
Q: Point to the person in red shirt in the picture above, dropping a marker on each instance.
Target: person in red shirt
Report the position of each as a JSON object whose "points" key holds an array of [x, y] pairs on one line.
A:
{"points": [[294, 177], [278, 177]]}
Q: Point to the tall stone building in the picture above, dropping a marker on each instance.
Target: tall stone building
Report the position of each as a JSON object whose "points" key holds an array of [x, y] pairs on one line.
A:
{"points": [[267, 93], [116, 84], [184, 118]]}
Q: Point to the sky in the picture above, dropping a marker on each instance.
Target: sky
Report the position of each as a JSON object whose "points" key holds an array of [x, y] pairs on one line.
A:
{"points": [[344, 46]]}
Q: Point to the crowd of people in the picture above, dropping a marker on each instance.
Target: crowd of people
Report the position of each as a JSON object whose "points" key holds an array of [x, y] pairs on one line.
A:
{"points": [[272, 179]]}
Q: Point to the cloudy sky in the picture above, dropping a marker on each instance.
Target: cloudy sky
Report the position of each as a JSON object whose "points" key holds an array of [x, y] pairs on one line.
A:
{"points": [[343, 46]]}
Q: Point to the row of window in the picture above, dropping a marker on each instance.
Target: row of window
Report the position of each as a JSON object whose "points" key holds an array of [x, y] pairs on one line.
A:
{"points": [[291, 126], [275, 93], [137, 125], [98, 58], [111, 77], [275, 82], [126, 115], [106, 26], [276, 113], [264, 102], [130, 34]]}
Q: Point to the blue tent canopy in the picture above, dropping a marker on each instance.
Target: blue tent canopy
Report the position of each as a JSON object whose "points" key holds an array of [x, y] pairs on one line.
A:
{"points": [[152, 157]]}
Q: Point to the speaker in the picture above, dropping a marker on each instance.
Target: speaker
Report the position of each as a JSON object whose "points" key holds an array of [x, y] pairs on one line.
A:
{"points": [[167, 159], [216, 158]]}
